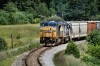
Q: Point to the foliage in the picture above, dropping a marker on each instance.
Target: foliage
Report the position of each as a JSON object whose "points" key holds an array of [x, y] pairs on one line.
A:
{"points": [[36, 20], [42, 9], [67, 9], [72, 49], [60, 59], [3, 17], [10, 7], [18, 18], [94, 51], [55, 18], [52, 11], [90, 61], [94, 38], [3, 44]]}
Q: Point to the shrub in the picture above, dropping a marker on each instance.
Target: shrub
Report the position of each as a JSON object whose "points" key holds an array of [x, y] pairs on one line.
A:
{"points": [[3, 17], [36, 20], [18, 18], [94, 51], [90, 61], [72, 49], [3, 44], [55, 18], [94, 38]]}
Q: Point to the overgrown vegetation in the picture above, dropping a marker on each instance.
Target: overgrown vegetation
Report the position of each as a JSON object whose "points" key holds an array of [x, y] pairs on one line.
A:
{"points": [[72, 49], [21, 34], [3, 44], [90, 60], [89, 53], [6, 55], [94, 38], [60, 59], [92, 55]]}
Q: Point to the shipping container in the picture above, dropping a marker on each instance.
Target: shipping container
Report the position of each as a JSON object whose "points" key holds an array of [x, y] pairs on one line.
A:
{"points": [[91, 26]]}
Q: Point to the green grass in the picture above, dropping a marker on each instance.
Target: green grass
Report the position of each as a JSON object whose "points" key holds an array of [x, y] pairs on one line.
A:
{"points": [[7, 57], [60, 59], [26, 32], [7, 62], [25, 37]]}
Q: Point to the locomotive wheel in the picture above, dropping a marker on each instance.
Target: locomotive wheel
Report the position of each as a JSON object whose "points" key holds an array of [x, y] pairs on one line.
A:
{"points": [[46, 43], [66, 39], [58, 41]]}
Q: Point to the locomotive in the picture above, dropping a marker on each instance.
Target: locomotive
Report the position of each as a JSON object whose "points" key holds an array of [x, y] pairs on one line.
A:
{"points": [[52, 32]]}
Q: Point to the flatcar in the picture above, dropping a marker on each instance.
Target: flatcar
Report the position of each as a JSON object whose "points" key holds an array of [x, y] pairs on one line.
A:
{"points": [[61, 32]]}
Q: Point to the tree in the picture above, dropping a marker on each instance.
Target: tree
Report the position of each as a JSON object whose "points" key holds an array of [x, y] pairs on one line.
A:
{"points": [[51, 11], [42, 9], [4, 17], [10, 7]]}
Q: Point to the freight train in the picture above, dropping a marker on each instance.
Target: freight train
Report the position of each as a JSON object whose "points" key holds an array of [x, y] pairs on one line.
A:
{"points": [[52, 32]]}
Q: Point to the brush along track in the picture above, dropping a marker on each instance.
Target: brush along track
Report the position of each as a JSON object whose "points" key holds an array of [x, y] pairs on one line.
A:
{"points": [[32, 58]]}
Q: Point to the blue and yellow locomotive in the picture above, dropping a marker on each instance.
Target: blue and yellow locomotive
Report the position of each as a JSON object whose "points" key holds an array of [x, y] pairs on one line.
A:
{"points": [[54, 32]]}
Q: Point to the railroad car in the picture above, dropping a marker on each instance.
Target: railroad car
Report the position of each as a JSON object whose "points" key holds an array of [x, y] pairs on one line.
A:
{"points": [[61, 32]]}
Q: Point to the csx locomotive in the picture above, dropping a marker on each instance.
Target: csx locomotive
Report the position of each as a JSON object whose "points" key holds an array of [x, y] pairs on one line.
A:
{"points": [[52, 32]]}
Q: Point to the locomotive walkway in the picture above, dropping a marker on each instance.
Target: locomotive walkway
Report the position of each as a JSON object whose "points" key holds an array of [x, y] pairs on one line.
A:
{"points": [[46, 59]]}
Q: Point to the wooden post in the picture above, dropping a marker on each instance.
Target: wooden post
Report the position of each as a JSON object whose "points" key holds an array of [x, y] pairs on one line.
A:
{"points": [[11, 40]]}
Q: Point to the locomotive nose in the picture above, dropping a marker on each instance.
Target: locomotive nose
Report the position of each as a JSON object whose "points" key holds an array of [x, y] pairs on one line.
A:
{"points": [[48, 31]]}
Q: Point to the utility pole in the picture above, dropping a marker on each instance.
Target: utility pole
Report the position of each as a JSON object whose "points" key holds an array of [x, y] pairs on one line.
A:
{"points": [[12, 40], [62, 14]]}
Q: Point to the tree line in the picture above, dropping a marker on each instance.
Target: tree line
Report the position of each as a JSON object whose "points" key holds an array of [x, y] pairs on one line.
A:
{"points": [[27, 11]]}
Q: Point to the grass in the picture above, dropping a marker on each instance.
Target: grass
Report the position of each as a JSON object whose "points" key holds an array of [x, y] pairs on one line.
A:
{"points": [[7, 62], [21, 33], [7, 57], [60, 59], [25, 37]]}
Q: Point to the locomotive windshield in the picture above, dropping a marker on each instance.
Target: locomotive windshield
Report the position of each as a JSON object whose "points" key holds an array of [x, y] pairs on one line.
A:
{"points": [[44, 24], [52, 24]]}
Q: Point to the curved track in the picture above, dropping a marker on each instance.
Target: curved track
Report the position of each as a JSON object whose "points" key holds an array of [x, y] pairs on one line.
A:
{"points": [[32, 58]]}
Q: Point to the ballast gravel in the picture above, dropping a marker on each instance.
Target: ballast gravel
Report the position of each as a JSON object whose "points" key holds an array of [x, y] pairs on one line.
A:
{"points": [[19, 59], [46, 59]]}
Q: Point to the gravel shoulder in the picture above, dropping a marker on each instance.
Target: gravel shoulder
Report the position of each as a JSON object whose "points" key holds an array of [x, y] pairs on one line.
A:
{"points": [[46, 59], [19, 59]]}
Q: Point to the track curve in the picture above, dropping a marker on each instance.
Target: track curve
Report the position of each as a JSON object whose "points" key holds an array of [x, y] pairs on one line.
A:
{"points": [[46, 59], [32, 58]]}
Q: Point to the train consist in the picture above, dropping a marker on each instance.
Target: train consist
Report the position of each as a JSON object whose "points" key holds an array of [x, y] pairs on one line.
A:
{"points": [[61, 32]]}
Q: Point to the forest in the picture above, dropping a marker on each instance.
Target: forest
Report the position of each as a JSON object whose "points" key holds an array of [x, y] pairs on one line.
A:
{"points": [[30, 11]]}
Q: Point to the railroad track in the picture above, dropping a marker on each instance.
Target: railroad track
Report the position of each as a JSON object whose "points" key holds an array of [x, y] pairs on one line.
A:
{"points": [[32, 59]]}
